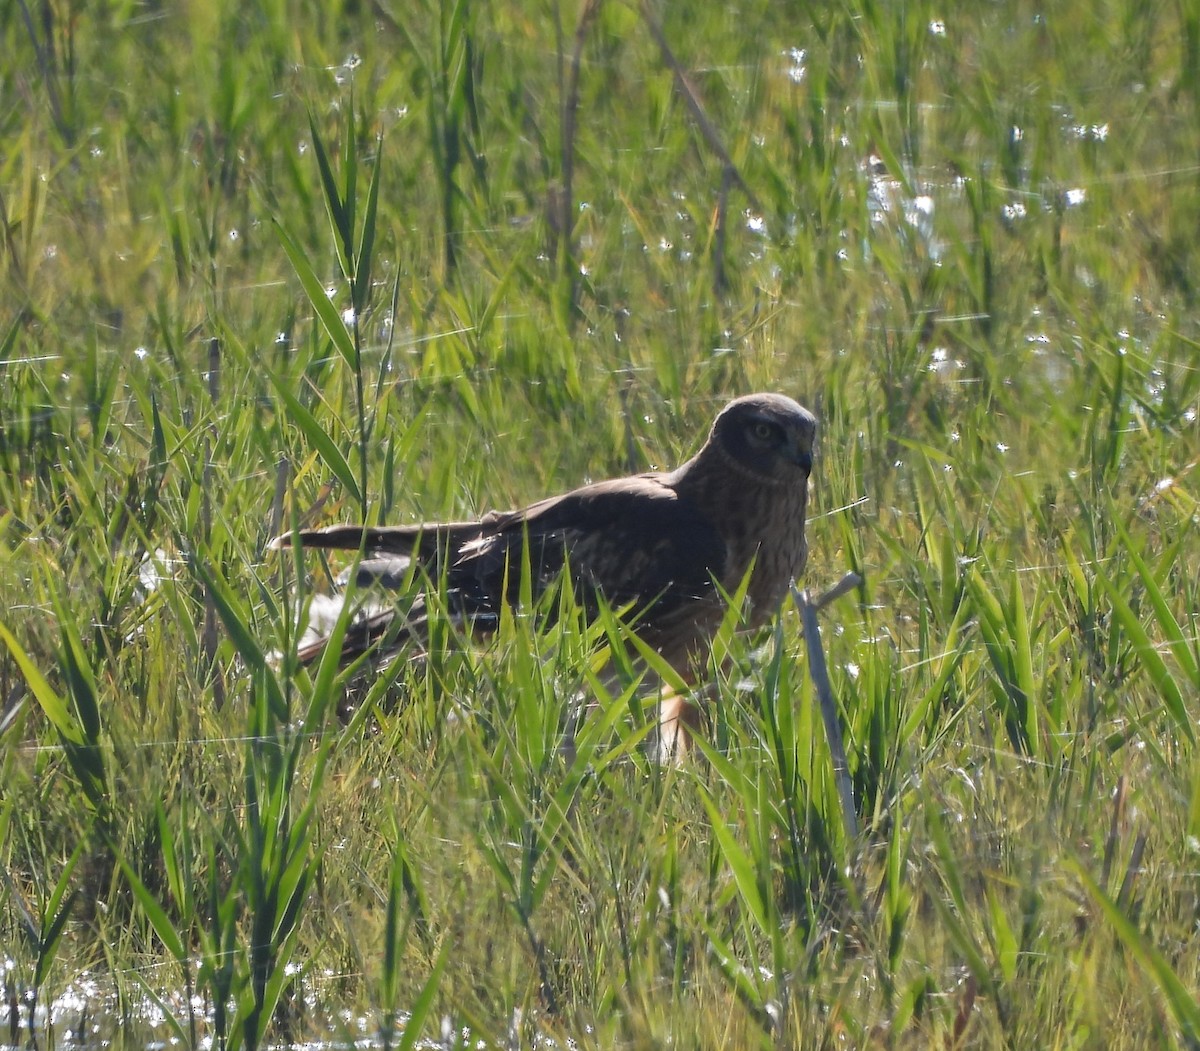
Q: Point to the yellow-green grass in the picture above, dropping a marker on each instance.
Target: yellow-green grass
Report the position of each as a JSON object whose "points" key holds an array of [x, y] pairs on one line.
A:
{"points": [[311, 260]]}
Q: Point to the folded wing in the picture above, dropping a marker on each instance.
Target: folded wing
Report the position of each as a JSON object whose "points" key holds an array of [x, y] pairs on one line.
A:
{"points": [[634, 541]]}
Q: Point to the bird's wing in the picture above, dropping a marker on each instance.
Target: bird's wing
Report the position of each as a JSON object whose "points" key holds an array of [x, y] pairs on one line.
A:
{"points": [[632, 540]]}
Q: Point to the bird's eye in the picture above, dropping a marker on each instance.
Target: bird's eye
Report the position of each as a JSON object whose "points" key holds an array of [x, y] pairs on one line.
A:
{"points": [[763, 431]]}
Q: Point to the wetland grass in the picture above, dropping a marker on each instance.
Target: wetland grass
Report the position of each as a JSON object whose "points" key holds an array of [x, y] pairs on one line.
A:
{"points": [[289, 264]]}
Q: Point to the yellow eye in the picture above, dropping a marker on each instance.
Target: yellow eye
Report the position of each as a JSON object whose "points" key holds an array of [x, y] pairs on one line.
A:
{"points": [[763, 431]]}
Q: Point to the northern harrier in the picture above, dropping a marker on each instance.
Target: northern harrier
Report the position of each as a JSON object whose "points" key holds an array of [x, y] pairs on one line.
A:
{"points": [[664, 545]]}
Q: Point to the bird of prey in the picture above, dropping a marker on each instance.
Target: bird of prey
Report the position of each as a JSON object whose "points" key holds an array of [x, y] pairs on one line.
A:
{"points": [[665, 546]]}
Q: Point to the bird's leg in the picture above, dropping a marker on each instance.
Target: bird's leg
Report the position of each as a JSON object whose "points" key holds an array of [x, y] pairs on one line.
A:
{"points": [[678, 720]]}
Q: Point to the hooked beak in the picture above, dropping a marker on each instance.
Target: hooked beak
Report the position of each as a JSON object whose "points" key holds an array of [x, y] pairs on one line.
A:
{"points": [[800, 456]]}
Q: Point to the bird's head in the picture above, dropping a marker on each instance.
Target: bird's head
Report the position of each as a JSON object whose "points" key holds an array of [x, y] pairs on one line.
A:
{"points": [[767, 436]]}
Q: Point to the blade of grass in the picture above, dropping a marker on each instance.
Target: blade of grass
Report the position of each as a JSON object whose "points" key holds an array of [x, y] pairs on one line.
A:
{"points": [[1167, 623], [324, 307], [1182, 1003], [1151, 659], [317, 437]]}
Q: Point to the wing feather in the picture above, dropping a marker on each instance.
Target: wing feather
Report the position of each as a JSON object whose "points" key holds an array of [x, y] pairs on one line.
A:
{"points": [[633, 540]]}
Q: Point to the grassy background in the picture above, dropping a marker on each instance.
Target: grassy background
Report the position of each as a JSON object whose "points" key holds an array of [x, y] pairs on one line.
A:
{"points": [[967, 239]]}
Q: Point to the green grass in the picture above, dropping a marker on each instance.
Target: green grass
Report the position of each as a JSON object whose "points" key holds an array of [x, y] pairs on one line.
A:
{"points": [[1008, 385]]}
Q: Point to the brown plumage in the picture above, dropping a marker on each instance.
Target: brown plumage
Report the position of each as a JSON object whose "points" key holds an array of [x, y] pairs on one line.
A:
{"points": [[664, 544]]}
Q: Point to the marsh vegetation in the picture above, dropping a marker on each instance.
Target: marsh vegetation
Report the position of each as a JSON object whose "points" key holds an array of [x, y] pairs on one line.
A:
{"points": [[302, 262]]}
